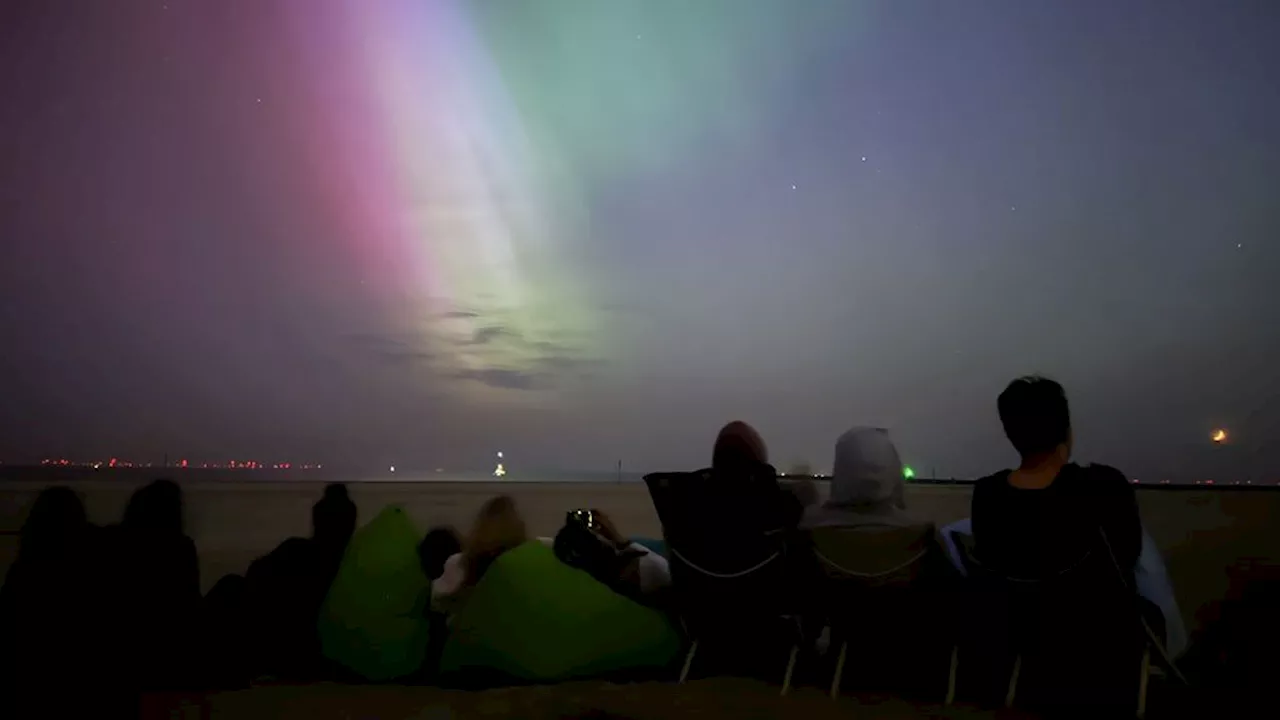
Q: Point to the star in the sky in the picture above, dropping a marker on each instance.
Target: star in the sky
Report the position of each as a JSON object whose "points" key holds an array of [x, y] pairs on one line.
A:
{"points": [[793, 187]]}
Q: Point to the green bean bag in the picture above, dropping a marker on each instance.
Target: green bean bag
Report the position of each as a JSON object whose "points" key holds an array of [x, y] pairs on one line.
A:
{"points": [[533, 618], [373, 621]]}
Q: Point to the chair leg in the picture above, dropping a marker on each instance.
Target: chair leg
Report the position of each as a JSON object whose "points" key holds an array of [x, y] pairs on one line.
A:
{"points": [[688, 661], [1143, 680], [1013, 682], [951, 675], [835, 680], [791, 666]]}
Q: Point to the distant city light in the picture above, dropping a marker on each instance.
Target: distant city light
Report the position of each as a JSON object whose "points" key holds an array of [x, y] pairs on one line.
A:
{"points": [[499, 454], [908, 473], [1219, 436]]}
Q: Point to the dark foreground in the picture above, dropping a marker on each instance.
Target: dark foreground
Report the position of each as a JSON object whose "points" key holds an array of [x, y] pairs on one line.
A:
{"points": [[709, 698]]}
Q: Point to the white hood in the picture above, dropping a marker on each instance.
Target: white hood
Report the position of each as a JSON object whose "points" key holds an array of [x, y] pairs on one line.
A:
{"points": [[866, 482]]}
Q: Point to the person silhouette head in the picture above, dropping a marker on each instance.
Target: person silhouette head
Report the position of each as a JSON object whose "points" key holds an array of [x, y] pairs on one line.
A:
{"points": [[1037, 421], [56, 520], [333, 517], [436, 548], [738, 448], [156, 508]]}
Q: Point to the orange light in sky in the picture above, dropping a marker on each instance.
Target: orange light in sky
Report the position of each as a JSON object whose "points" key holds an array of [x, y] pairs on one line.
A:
{"points": [[1219, 436]]}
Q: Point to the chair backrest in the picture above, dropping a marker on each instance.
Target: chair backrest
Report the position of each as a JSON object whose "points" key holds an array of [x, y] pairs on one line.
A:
{"points": [[871, 555], [887, 591], [727, 544], [1077, 628], [865, 570]]}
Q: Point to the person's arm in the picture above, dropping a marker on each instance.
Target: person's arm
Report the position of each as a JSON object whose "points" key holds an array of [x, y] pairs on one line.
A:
{"points": [[655, 573], [445, 587], [1119, 517]]}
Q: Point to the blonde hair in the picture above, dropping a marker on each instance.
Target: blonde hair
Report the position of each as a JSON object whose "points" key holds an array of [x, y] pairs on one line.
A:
{"points": [[498, 528]]}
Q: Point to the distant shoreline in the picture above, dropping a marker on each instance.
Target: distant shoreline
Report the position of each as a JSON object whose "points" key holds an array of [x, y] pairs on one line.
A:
{"points": [[47, 474]]}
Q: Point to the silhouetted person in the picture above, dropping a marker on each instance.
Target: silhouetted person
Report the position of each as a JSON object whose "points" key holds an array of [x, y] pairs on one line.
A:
{"points": [[1060, 543], [740, 452], [285, 588], [44, 623], [497, 528], [152, 592], [886, 577], [434, 551], [1044, 515], [436, 548], [738, 448], [226, 648], [333, 519]]}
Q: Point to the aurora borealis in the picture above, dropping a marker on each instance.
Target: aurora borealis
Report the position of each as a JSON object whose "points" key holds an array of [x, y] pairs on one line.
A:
{"points": [[413, 231]]}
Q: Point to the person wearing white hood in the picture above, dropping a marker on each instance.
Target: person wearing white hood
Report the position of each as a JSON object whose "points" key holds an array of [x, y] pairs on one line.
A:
{"points": [[866, 484], [864, 537]]}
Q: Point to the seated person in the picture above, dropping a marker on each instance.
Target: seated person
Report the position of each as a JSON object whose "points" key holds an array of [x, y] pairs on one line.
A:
{"points": [[591, 542], [867, 494], [740, 451], [47, 603], [152, 591], [1040, 518], [1065, 539], [1152, 579], [498, 527], [436, 548], [866, 484]]}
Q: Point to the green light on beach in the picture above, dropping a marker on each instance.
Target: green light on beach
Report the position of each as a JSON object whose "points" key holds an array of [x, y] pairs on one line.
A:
{"points": [[908, 473]]}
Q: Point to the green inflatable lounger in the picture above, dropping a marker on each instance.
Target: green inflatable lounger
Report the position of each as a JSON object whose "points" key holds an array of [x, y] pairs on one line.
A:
{"points": [[373, 621], [533, 618]]}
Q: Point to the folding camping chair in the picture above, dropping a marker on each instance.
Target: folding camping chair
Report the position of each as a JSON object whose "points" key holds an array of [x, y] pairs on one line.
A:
{"points": [[1077, 624], [728, 546], [888, 590]]}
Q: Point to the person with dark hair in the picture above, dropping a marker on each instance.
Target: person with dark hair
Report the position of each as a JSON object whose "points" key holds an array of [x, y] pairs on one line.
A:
{"points": [[152, 591], [43, 626], [333, 518], [1056, 548], [435, 550], [1046, 513], [285, 588]]}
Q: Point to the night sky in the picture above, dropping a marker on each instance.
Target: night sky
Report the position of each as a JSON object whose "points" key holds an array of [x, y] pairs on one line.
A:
{"points": [[367, 232]]}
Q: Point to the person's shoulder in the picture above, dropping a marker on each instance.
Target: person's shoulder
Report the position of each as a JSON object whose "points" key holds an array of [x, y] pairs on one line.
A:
{"points": [[994, 481], [1103, 476]]}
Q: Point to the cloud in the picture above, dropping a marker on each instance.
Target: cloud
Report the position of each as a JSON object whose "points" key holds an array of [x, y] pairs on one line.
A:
{"points": [[395, 348], [503, 378], [459, 314], [485, 335], [379, 341], [407, 357]]}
